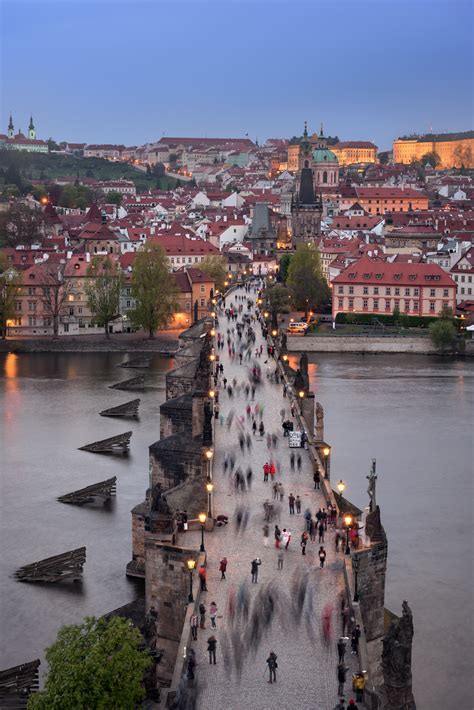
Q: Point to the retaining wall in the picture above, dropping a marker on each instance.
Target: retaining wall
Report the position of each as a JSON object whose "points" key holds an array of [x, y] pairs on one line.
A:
{"points": [[359, 344]]}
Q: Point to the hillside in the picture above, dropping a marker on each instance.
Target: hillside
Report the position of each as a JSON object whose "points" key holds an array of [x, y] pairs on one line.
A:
{"points": [[49, 166]]}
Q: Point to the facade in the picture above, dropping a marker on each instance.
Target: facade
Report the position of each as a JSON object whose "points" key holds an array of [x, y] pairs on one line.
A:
{"points": [[351, 152], [195, 293], [293, 157], [182, 251], [124, 187], [262, 235], [463, 274], [105, 150], [21, 142], [454, 149], [379, 200], [378, 287]]}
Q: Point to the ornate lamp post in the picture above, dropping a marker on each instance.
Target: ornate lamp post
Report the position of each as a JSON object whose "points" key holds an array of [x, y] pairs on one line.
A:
{"points": [[301, 396], [348, 522], [202, 519], [326, 452], [341, 487], [209, 488], [191, 565]]}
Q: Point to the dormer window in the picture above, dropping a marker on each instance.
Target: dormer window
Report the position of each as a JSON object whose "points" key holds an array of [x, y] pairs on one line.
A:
{"points": [[367, 276], [397, 277]]}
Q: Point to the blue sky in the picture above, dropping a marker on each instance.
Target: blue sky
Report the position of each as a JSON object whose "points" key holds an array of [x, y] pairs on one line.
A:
{"points": [[130, 71]]}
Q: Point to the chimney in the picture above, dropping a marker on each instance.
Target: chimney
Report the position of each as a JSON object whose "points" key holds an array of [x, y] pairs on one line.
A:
{"points": [[68, 254], [88, 257]]}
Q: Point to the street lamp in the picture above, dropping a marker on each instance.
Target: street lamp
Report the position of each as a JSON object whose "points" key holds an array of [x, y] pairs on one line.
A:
{"points": [[212, 332], [266, 314], [341, 487], [191, 565], [202, 519], [211, 394], [326, 452], [274, 333], [285, 358], [209, 488], [348, 522]]}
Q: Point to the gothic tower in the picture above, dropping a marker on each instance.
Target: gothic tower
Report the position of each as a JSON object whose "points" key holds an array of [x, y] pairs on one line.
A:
{"points": [[11, 128], [31, 130]]}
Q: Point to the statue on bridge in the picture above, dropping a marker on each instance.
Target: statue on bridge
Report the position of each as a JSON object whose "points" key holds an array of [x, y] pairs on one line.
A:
{"points": [[396, 662], [372, 478], [207, 425]]}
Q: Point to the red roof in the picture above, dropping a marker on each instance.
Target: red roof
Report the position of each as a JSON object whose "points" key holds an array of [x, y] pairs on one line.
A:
{"points": [[469, 257], [94, 230], [355, 144], [188, 247], [389, 193], [374, 271]]}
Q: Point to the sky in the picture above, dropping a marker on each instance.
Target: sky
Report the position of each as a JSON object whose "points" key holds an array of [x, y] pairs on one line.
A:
{"points": [[131, 71]]}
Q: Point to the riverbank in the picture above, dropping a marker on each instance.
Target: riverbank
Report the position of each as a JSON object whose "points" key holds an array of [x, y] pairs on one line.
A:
{"points": [[164, 343], [365, 344]]}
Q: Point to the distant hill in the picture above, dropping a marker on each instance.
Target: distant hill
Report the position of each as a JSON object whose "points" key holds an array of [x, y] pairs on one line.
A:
{"points": [[48, 166]]}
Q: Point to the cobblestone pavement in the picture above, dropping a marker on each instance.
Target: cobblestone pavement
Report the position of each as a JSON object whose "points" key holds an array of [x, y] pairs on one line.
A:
{"points": [[306, 674]]}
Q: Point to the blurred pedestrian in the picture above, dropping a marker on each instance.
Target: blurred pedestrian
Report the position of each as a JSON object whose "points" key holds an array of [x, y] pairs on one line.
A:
{"points": [[322, 556], [223, 567], [211, 648], [194, 621], [298, 505], [213, 615], [202, 615], [203, 578]]}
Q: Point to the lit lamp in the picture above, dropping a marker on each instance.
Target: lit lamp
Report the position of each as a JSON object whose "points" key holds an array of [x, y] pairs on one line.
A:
{"points": [[274, 333], [326, 452], [212, 332], [285, 358], [266, 314], [341, 487], [209, 489], [212, 357], [191, 565], [348, 523], [209, 454], [226, 283], [211, 394], [202, 519]]}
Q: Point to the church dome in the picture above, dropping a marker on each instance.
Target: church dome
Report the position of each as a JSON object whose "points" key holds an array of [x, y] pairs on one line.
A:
{"points": [[323, 155]]}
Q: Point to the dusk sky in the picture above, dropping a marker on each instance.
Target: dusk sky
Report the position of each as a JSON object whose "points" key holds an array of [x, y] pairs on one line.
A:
{"points": [[129, 71]]}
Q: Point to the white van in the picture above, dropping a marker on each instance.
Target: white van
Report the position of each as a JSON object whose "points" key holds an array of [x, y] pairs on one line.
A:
{"points": [[298, 327]]}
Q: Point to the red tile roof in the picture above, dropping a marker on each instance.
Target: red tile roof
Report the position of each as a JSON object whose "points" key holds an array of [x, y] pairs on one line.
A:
{"points": [[389, 193], [188, 247], [374, 271]]}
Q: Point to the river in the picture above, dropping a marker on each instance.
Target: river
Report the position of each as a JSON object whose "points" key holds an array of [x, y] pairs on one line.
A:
{"points": [[49, 405], [412, 413]]}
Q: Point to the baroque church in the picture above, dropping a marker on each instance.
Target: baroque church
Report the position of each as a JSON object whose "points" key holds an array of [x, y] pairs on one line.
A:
{"points": [[18, 141], [318, 169]]}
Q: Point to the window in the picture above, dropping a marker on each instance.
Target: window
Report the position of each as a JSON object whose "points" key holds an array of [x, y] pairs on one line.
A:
{"points": [[340, 303], [366, 290], [340, 289], [397, 292], [376, 290], [387, 304], [351, 304], [32, 305], [407, 306], [415, 305], [203, 288], [416, 291], [71, 311], [388, 291], [32, 320], [396, 304], [407, 292], [128, 304], [445, 305], [432, 292], [18, 305], [445, 293], [365, 304], [376, 304], [463, 278], [351, 290], [432, 306], [188, 305], [203, 301]]}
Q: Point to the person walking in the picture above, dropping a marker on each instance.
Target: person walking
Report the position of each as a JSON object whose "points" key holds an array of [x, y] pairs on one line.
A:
{"points": [[223, 567], [312, 530], [194, 626], [266, 471], [277, 536], [203, 578], [324, 517], [341, 677], [307, 517], [281, 557], [266, 531], [341, 649], [352, 705], [261, 429], [322, 556], [337, 540], [272, 471], [341, 705], [355, 640], [275, 490], [358, 683], [213, 615], [298, 463], [291, 503], [292, 460], [344, 619], [304, 542], [254, 569], [321, 532], [298, 505], [211, 649], [281, 491], [202, 615], [191, 664], [317, 479], [272, 666]]}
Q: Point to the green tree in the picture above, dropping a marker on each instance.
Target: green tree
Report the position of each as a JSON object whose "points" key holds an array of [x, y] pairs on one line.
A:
{"points": [[20, 225], [114, 198], [443, 334], [306, 283], [432, 158], [9, 284], [55, 292], [153, 288], [396, 315], [158, 170], [278, 298], [284, 264], [97, 664], [216, 267], [103, 286], [52, 145]]}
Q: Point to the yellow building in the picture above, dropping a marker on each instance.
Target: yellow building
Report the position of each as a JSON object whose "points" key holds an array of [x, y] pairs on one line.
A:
{"points": [[293, 157], [454, 149], [351, 152]]}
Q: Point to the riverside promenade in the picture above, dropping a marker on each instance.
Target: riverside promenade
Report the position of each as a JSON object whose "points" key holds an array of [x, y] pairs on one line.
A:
{"points": [[307, 665]]}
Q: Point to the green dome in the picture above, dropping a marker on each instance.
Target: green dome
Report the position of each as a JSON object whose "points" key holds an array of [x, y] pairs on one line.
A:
{"points": [[323, 155]]}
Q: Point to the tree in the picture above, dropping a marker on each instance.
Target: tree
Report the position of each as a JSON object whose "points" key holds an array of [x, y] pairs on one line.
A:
{"points": [[56, 291], [97, 664], [158, 170], [432, 158], [103, 286], [20, 225], [443, 334], [307, 285], [153, 288], [278, 298], [396, 315], [284, 266], [114, 198], [9, 285], [52, 145], [216, 267]]}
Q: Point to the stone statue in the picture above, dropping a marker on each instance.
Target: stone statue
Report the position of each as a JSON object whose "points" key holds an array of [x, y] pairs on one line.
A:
{"points": [[283, 342], [151, 623], [372, 478], [207, 426], [304, 370], [319, 428], [158, 501], [396, 662], [298, 383]]}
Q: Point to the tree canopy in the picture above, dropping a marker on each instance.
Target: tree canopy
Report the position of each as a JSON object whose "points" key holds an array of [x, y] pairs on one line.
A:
{"points": [[307, 286], [103, 290], [278, 298], [216, 268], [154, 289], [97, 664], [20, 225], [114, 198], [9, 283]]}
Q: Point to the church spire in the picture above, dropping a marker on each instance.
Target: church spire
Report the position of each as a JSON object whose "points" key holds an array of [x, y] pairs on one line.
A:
{"points": [[31, 129], [305, 132], [11, 127], [321, 135]]}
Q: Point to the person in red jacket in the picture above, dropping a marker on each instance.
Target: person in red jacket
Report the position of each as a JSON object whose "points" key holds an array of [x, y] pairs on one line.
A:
{"points": [[202, 578], [266, 471], [272, 470], [223, 567]]}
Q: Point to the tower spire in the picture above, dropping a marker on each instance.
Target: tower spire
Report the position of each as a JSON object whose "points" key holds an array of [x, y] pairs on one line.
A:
{"points": [[31, 129], [305, 132], [322, 132], [11, 127]]}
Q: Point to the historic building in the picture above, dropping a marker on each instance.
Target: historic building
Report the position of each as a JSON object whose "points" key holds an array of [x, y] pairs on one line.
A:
{"points": [[262, 234], [454, 149], [351, 152], [21, 142]]}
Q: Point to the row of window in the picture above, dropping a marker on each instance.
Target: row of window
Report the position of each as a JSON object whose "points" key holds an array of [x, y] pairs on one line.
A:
{"points": [[463, 278], [182, 259], [390, 306], [396, 291]]}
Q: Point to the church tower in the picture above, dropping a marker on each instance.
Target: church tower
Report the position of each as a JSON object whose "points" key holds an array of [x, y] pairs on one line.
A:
{"points": [[305, 208], [31, 130], [11, 128]]}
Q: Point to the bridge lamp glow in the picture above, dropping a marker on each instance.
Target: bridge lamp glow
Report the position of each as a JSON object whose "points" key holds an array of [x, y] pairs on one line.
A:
{"points": [[341, 487], [211, 394], [209, 487], [202, 518], [209, 454]]}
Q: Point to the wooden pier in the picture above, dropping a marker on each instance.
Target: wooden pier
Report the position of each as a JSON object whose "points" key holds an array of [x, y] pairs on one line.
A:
{"points": [[17, 684], [128, 410], [134, 383], [103, 489], [119, 444], [54, 569]]}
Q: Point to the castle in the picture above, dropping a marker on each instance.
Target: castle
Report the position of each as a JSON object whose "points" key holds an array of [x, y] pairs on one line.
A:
{"points": [[30, 143]]}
